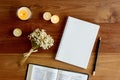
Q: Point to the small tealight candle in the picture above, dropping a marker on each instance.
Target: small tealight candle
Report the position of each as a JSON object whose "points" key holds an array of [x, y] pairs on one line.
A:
{"points": [[47, 16], [55, 19], [24, 13], [17, 32]]}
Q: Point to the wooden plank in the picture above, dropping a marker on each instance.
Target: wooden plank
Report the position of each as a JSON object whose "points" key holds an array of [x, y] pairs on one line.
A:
{"points": [[99, 12], [9, 68], [110, 34]]}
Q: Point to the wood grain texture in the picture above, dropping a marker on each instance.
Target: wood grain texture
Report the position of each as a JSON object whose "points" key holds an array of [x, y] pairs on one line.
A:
{"points": [[99, 12], [107, 66], [106, 13]]}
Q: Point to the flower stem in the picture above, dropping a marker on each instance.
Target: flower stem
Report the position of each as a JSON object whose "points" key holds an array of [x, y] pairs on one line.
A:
{"points": [[25, 56]]}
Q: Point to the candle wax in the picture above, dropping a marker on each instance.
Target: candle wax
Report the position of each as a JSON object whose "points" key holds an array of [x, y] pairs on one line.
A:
{"points": [[47, 16], [17, 32], [24, 13], [55, 19]]}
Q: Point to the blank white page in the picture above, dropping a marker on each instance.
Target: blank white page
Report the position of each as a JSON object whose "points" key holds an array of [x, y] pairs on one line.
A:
{"points": [[77, 42]]}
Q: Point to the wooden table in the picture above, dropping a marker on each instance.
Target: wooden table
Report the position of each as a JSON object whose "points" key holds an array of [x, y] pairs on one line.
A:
{"points": [[106, 13]]}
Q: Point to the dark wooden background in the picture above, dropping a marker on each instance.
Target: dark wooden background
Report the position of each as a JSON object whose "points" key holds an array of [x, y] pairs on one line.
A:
{"points": [[106, 13]]}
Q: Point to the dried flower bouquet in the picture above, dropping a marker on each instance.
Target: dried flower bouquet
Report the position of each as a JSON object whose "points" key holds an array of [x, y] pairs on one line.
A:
{"points": [[39, 39]]}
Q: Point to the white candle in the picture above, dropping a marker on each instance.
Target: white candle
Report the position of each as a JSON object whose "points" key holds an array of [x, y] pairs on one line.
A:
{"points": [[24, 13], [17, 32], [47, 16], [55, 19]]}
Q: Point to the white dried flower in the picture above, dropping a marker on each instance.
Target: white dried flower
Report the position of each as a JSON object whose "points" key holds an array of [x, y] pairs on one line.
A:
{"points": [[40, 38]]}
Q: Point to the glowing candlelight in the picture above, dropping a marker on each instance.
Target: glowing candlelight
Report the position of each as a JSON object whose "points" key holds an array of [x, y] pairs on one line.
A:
{"points": [[24, 13], [55, 19]]}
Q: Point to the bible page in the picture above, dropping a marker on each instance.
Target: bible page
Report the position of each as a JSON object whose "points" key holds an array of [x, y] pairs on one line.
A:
{"points": [[68, 75], [42, 73]]}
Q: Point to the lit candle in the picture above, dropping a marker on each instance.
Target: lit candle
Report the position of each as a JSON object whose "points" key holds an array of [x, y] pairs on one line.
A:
{"points": [[55, 19], [24, 13], [47, 16], [17, 32]]}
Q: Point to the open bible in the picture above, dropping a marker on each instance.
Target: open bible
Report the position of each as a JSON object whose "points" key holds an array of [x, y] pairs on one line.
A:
{"points": [[39, 72]]}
